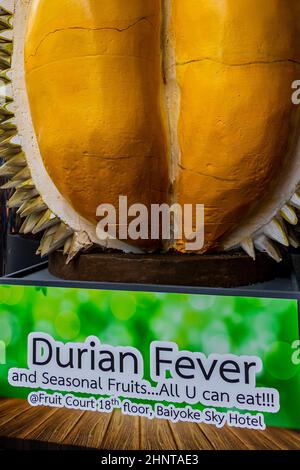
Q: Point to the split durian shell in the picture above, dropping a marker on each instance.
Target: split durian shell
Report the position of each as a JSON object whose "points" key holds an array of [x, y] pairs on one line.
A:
{"points": [[162, 101]]}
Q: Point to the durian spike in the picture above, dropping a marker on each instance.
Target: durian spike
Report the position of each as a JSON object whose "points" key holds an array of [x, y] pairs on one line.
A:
{"points": [[62, 233], [51, 231], [67, 245], [10, 185], [5, 114], [29, 223], [6, 8], [45, 246], [289, 214], [20, 196], [35, 205], [5, 17], [6, 99], [46, 240], [56, 240], [8, 150], [295, 201], [265, 245], [4, 24], [18, 160], [8, 169], [276, 231], [23, 206], [293, 239], [47, 220], [22, 175], [27, 205], [15, 161], [4, 12], [81, 242], [248, 247], [4, 78], [27, 184], [7, 131], [4, 60], [6, 46]]}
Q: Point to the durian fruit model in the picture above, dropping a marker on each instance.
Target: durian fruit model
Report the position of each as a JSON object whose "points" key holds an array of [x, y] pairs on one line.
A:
{"points": [[181, 101]]}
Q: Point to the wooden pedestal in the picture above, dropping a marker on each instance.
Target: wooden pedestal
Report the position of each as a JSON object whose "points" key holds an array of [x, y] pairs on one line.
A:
{"points": [[220, 270]]}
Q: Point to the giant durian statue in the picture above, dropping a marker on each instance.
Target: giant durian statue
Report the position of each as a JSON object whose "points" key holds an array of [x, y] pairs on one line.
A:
{"points": [[186, 101]]}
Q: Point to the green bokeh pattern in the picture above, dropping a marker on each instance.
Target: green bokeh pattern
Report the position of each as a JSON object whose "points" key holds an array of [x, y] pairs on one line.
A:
{"points": [[210, 324]]}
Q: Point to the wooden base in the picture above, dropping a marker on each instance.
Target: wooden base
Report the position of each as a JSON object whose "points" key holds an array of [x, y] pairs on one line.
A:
{"points": [[220, 270], [40, 428]]}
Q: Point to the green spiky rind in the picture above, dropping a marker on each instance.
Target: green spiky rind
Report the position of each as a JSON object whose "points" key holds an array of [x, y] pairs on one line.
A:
{"points": [[8, 150], [54, 238], [6, 47], [6, 50], [5, 13], [4, 78], [25, 199], [5, 20], [5, 114]]}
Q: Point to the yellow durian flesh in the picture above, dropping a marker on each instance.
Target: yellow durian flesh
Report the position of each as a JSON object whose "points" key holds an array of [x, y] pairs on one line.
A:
{"points": [[222, 119], [93, 80], [235, 63]]}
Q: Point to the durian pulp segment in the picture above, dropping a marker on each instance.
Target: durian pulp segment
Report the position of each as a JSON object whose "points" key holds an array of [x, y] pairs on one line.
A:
{"points": [[59, 215], [238, 129], [105, 61], [232, 131]]}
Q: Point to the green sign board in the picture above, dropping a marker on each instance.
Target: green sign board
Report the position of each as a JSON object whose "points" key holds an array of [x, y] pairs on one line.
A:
{"points": [[176, 356]]}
